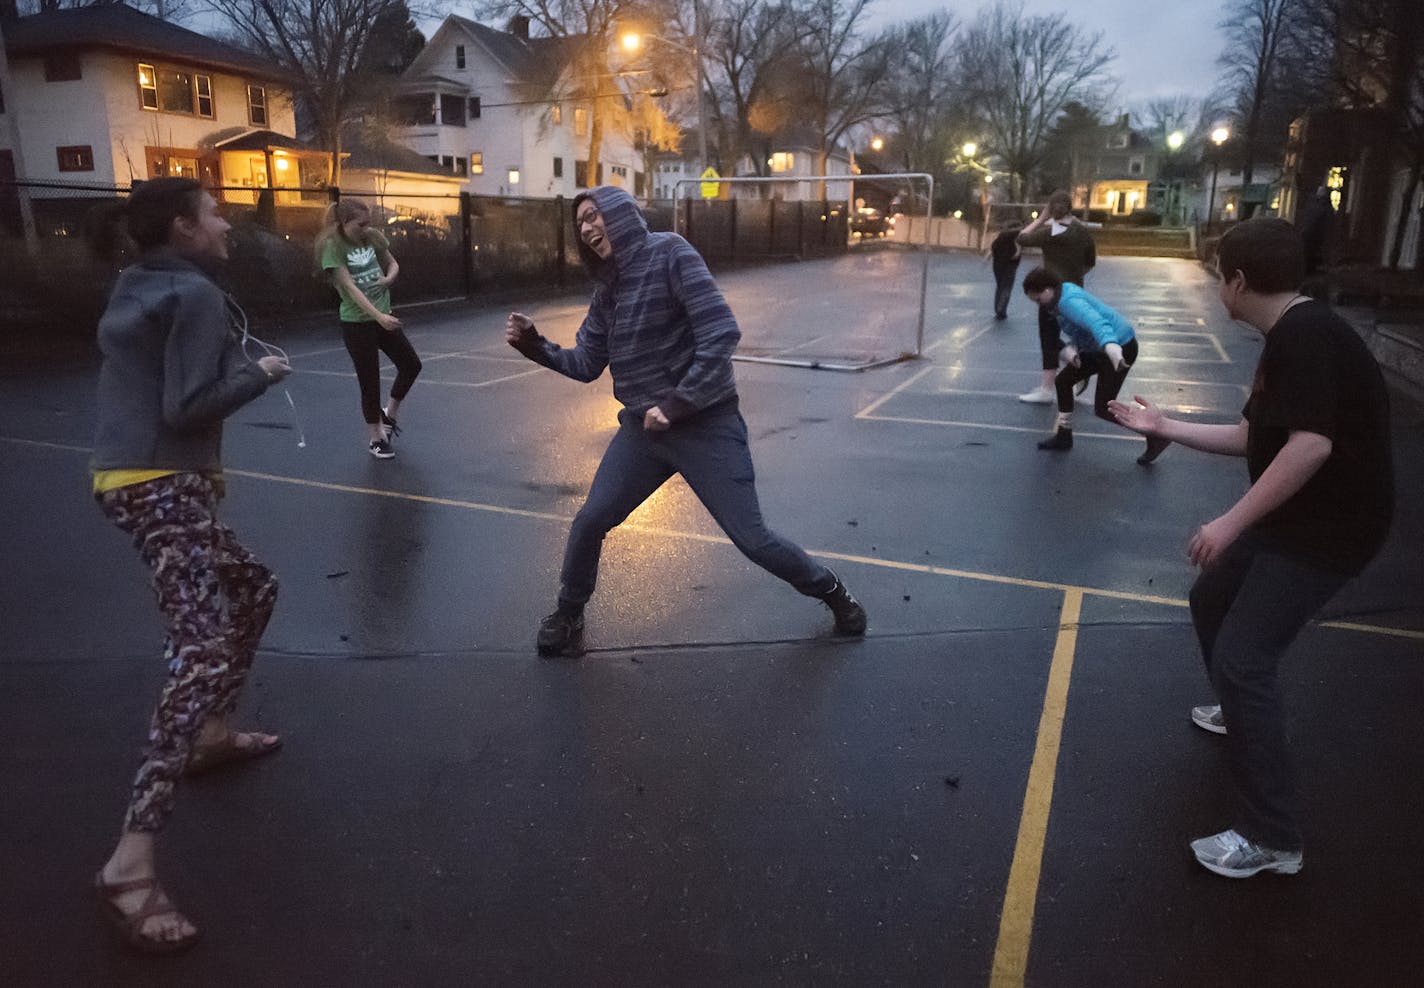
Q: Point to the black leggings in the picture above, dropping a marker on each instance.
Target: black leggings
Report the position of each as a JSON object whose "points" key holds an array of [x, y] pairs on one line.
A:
{"points": [[365, 341], [1048, 342], [1109, 380]]}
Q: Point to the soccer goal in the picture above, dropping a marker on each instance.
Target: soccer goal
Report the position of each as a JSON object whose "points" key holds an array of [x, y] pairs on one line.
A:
{"points": [[852, 302]]}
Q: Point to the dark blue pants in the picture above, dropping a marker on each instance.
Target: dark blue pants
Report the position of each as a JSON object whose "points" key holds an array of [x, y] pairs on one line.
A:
{"points": [[713, 457], [1004, 273], [1247, 608]]}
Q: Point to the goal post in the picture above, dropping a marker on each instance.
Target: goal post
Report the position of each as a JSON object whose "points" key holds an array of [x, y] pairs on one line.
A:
{"points": [[863, 311]]}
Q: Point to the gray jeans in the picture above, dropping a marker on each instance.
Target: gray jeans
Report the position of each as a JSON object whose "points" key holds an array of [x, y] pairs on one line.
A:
{"points": [[712, 455], [1247, 608]]}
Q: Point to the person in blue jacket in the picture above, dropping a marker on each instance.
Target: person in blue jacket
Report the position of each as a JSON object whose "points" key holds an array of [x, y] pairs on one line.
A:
{"points": [[660, 325], [1100, 341]]}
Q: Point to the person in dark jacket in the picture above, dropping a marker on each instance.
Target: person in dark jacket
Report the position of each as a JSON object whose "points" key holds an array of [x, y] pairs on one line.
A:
{"points": [[174, 367], [1069, 252], [1005, 253], [659, 323]]}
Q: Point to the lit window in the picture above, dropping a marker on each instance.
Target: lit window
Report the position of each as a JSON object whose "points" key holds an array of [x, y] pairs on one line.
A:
{"points": [[514, 176], [477, 162], [580, 122], [556, 114], [257, 105], [1335, 182], [148, 87], [783, 161]]}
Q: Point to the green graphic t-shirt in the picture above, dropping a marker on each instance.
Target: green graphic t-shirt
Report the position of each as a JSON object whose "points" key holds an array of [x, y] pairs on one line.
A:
{"points": [[364, 263]]}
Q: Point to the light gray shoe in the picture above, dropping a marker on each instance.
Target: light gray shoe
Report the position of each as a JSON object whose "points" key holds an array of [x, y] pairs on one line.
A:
{"points": [[1039, 396], [1209, 719], [1230, 854]]}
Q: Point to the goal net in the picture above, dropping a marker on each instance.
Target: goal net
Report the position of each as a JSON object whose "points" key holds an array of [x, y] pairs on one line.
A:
{"points": [[810, 265]]}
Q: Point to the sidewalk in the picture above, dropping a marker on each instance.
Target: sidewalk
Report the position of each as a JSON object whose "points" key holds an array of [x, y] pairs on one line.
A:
{"points": [[1396, 338]]}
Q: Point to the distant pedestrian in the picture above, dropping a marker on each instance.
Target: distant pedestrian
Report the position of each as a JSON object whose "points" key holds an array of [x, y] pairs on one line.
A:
{"points": [[1069, 252], [363, 269], [659, 322], [174, 367], [1005, 252], [1100, 341], [1315, 435]]}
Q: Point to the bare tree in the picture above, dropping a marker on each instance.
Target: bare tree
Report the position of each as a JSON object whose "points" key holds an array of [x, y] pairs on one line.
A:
{"points": [[1256, 84], [750, 50], [843, 76], [1020, 72], [320, 43], [920, 93]]}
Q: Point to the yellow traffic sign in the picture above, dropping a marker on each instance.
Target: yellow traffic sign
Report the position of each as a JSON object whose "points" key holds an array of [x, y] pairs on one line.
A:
{"points": [[710, 190]]}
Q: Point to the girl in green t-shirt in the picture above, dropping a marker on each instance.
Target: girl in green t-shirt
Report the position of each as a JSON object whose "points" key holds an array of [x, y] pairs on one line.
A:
{"points": [[362, 270]]}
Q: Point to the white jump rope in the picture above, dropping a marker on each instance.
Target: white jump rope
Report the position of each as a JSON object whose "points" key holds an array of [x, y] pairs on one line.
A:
{"points": [[270, 350]]}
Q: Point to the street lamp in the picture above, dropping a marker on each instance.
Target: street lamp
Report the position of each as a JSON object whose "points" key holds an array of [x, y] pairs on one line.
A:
{"points": [[877, 143], [970, 148], [1175, 139], [1218, 137], [633, 40]]}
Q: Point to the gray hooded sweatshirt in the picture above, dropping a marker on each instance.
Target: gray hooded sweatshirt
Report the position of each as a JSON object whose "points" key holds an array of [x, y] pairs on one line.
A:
{"points": [[173, 368]]}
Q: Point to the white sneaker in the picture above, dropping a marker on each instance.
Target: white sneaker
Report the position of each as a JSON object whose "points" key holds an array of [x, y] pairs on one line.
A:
{"points": [[1209, 718], [1230, 854], [1039, 396]]}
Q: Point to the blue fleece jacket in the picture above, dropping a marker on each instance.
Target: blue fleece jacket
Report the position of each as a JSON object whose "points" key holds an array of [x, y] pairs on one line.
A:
{"points": [[657, 321], [1089, 322]]}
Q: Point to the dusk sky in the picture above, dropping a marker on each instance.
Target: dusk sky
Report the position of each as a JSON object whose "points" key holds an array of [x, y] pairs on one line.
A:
{"points": [[1162, 48]]}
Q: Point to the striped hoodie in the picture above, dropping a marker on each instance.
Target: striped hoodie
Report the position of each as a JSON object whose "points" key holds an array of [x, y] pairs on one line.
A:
{"points": [[657, 321]]}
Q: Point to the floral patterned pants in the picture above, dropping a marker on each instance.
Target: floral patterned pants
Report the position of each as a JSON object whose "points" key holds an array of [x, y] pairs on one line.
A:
{"points": [[216, 599]]}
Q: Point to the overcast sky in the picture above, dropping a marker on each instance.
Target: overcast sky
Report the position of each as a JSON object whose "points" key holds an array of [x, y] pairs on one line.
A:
{"points": [[1163, 48]]}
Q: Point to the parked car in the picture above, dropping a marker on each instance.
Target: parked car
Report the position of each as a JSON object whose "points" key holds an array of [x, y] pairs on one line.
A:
{"points": [[868, 221]]}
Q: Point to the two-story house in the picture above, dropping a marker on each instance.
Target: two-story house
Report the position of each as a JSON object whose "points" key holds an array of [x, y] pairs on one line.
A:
{"points": [[486, 104], [103, 96], [1123, 167]]}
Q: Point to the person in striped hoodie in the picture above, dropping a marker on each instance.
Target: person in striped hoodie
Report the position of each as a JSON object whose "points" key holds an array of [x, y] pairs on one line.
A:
{"points": [[660, 325]]}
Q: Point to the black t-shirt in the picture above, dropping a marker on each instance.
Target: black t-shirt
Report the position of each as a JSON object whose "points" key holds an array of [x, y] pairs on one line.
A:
{"points": [[1316, 375], [1005, 246]]}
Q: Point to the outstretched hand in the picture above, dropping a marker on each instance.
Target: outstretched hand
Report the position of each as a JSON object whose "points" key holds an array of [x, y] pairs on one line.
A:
{"points": [[1141, 416], [519, 331]]}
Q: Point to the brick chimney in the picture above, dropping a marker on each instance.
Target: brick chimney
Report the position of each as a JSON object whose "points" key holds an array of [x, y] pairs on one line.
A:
{"points": [[519, 26]]}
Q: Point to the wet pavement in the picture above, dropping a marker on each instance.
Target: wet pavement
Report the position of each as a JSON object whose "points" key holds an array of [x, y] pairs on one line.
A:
{"points": [[996, 786]]}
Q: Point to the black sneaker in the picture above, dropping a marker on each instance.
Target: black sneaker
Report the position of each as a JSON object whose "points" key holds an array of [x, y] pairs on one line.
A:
{"points": [[1061, 439], [381, 449], [392, 430], [850, 616], [1155, 446], [561, 634]]}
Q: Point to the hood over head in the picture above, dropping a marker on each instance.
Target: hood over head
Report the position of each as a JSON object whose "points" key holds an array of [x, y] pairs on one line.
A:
{"points": [[623, 222]]}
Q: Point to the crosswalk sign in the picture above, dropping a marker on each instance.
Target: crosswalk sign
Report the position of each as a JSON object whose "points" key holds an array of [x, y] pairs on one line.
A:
{"points": [[710, 189]]}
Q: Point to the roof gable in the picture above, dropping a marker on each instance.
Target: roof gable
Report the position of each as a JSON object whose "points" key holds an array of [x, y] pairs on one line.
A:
{"points": [[116, 27]]}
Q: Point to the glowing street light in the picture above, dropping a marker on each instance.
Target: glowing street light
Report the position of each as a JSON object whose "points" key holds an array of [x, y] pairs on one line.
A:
{"points": [[632, 41], [970, 148], [877, 143], [1175, 139], [1218, 137]]}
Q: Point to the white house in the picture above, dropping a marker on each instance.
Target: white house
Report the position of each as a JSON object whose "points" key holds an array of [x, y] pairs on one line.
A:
{"points": [[479, 101], [103, 96]]}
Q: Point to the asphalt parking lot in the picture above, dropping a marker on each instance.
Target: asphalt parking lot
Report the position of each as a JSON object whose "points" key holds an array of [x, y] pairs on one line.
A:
{"points": [[996, 786]]}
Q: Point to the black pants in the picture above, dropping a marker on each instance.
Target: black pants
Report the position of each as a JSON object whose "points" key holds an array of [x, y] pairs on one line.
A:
{"points": [[1004, 273], [1049, 342], [1109, 380], [365, 341], [1247, 608]]}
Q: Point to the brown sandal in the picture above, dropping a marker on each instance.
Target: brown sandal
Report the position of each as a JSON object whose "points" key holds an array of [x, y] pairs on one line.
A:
{"points": [[130, 925], [227, 752]]}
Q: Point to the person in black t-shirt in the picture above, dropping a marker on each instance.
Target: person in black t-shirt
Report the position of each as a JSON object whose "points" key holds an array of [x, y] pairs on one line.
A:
{"points": [[1315, 435], [1005, 252]]}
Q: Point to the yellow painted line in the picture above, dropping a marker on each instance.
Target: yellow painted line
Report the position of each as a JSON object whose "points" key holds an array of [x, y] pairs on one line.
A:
{"points": [[865, 412], [1016, 919], [846, 557]]}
